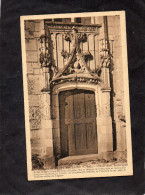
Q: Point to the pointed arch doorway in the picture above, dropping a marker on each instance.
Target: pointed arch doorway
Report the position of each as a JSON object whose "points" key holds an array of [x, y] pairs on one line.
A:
{"points": [[78, 129]]}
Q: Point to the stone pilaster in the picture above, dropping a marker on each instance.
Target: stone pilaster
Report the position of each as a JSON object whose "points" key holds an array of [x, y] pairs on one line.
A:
{"points": [[72, 19], [104, 120], [46, 131], [46, 121], [93, 20], [46, 78]]}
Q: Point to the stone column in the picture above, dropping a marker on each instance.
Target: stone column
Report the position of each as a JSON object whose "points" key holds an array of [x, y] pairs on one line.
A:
{"points": [[47, 134], [46, 121], [118, 109], [92, 20], [72, 19], [104, 120]]}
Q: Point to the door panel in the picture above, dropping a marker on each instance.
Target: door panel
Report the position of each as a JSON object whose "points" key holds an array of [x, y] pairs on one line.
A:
{"points": [[91, 135], [64, 128], [78, 122], [89, 105], [71, 140], [80, 136], [79, 106]]}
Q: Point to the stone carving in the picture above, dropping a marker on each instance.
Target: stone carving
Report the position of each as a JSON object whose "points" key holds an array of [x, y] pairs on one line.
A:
{"points": [[75, 38], [65, 54], [45, 58], [54, 70], [76, 59], [75, 78], [105, 53], [78, 65], [105, 60], [67, 27], [45, 55]]}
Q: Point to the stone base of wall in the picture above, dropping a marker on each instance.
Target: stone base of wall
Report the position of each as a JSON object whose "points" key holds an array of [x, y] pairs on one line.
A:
{"points": [[85, 158], [114, 156], [120, 155], [41, 160], [105, 157], [49, 162]]}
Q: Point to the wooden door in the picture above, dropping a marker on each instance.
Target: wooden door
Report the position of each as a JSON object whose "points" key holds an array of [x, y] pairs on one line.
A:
{"points": [[78, 122]]}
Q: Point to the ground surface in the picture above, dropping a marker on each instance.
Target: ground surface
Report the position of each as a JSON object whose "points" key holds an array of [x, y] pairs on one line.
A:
{"points": [[87, 161]]}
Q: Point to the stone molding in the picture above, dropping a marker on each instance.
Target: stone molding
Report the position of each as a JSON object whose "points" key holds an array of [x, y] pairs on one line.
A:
{"points": [[59, 26]]}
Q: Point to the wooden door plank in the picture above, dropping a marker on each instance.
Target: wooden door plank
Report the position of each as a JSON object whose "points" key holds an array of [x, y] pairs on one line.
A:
{"points": [[78, 106], [63, 126], [91, 136], [71, 140], [80, 136], [89, 105], [68, 105], [70, 116], [78, 133]]}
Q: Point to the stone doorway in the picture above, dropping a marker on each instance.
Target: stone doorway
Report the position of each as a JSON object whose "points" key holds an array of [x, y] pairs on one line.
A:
{"points": [[78, 129]]}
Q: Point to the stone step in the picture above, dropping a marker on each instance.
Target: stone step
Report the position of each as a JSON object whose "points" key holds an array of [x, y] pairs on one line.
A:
{"points": [[77, 159]]}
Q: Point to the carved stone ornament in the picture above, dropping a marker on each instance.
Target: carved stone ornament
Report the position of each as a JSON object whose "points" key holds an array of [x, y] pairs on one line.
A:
{"points": [[105, 53], [45, 55], [75, 59], [76, 78], [105, 58], [45, 59], [61, 27]]}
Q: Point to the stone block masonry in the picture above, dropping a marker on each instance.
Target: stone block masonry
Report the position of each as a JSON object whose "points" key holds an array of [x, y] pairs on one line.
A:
{"points": [[57, 62]]}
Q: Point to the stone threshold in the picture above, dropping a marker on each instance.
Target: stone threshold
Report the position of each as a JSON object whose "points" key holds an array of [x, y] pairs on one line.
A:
{"points": [[77, 159], [106, 156]]}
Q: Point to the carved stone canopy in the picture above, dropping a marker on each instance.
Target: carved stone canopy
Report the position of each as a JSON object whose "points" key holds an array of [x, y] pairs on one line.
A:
{"points": [[75, 59], [75, 63]]}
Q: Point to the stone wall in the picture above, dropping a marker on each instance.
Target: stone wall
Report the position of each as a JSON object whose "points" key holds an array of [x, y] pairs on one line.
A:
{"points": [[116, 75], [116, 79], [37, 116], [32, 34]]}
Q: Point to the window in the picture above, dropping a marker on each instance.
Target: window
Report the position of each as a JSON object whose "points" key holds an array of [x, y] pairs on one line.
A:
{"points": [[49, 20], [78, 20], [66, 20], [58, 20]]}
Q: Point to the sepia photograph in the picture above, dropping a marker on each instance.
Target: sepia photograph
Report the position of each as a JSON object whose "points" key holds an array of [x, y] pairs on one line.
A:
{"points": [[76, 95]]}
